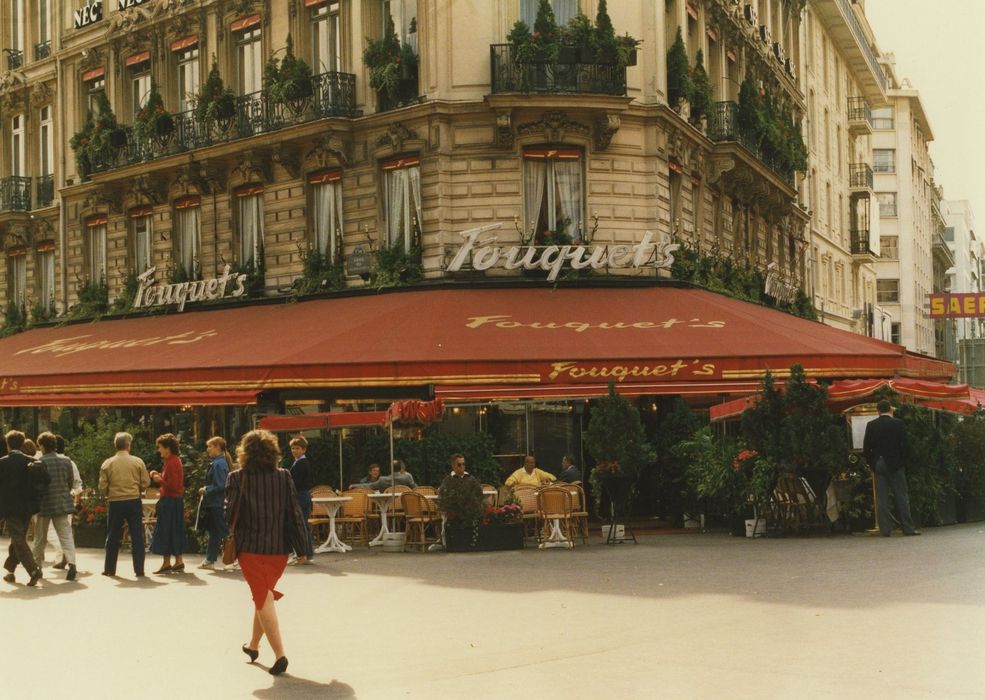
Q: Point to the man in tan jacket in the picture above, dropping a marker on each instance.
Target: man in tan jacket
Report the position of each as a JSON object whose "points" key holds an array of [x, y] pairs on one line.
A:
{"points": [[122, 479]]}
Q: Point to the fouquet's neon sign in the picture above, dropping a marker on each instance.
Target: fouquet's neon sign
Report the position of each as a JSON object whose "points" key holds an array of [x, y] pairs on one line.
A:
{"points": [[150, 293], [554, 258]]}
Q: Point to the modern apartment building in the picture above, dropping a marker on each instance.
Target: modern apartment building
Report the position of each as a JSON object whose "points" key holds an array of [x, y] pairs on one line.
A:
{"points": [[904, 188], [843, 82]]}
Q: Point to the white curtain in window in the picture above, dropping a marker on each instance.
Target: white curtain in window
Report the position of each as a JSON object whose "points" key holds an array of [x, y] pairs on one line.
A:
{"points": [[328, 217], [251, 228], [142, 242], [564, 10], [568, 176], [188, 239], [46, 263], [396, 203], [97, 253], [534, 184], [414, 178]]}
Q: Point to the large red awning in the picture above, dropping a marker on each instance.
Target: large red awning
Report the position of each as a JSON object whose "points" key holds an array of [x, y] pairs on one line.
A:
{"points": [[684, 339]]}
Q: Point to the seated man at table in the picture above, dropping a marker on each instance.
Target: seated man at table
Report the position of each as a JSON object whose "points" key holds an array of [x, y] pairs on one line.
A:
{"points": [[569, 472], [529, 474], [372, 475]]}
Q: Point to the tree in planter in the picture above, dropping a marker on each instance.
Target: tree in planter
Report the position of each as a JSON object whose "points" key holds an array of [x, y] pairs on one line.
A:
{"points": [[215, 104], [665, 484], [930, 468], [546, 35], [382, 58], [581, 35], [678, 73], [14, 318], [967, 439], [749, 115], [607, 46], [289, 80], [153, 121], [701, 101], [615, 438], [99, 138]]}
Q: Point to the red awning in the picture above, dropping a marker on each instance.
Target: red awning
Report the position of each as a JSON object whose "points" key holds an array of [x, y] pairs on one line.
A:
{"points": [[133, 398], [324, 421], [651, 339]]}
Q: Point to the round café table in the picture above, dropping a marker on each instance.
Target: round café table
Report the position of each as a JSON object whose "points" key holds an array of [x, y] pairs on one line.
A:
{"points": [[332, 505]]}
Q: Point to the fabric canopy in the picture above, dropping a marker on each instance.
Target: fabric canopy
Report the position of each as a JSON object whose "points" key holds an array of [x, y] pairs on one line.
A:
{"points": [[525, 336], [324, 421], [958, 398]]}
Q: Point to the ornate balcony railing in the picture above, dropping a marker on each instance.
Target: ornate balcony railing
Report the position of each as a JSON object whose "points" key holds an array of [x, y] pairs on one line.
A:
{"points": [[859, 110], [860, 176], [15, 193], [15, 58], [573, 77], [860, 242], [849, 13], [42, 50], [333, 95], [724, 126], [45, 191]]}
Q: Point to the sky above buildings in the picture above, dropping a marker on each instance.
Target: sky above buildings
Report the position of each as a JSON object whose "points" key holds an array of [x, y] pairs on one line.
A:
{"points": [[937, 46]]}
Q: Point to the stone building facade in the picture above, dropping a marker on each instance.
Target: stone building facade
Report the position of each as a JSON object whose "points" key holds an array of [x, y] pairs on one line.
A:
{"points": [[349, 171]]}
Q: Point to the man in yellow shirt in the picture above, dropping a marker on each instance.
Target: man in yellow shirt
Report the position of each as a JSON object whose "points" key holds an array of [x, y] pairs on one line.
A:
{"points": [[529, 474]]}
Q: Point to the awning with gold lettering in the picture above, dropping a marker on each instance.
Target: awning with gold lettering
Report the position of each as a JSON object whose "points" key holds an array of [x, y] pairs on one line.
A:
{"points": [[519, 341]]}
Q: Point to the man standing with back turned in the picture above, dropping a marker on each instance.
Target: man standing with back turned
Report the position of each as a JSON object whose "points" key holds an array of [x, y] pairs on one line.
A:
{"points": [[886, 449], [122, 479]]}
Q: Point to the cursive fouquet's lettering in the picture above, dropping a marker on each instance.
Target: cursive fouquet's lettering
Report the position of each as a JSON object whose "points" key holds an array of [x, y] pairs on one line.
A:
{"points": [[78, 343], [507, 322], [552, 258], [150, 293], [574, 370]]}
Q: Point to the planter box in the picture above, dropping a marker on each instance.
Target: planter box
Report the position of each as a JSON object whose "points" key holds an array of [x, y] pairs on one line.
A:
{"points": [[971, 509], [491, 538], [90, 536]]}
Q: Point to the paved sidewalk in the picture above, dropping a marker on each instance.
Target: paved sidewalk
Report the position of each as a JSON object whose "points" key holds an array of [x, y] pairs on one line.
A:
{"points": [[705, 616]]}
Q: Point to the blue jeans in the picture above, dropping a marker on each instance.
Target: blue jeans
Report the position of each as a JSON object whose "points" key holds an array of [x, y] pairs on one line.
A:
{"points": [[132, 513], [304, 500], [217, 532]]}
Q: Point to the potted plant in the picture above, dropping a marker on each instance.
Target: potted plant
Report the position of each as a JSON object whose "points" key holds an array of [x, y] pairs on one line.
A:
{"points": [[617, 441], [968, 437], [153, 121], [581, 36], [678, 74], [701, 98], [215, 104], [382, 58], [545, 40], [461, 502], [90, 522], [626, 49], [396, 267], [289, 80]]}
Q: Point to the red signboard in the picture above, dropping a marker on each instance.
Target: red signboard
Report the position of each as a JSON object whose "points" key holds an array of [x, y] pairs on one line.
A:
{"points": [[963, 305]]}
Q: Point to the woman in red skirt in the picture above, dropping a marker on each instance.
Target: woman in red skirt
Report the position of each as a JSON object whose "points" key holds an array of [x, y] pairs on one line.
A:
{"points": [[269, 527]]}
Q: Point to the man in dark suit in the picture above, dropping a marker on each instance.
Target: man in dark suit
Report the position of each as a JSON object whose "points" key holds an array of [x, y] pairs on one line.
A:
{"points": [[886, 449], [21, 478]]}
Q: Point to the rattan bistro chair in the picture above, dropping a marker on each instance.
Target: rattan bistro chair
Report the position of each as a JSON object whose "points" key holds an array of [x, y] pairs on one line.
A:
{"points": [[579, 511], [418, 519], [148, 517], [426, 490], [528, 502], [554, 504], [492, 499], [396, 512], [354, 512]]}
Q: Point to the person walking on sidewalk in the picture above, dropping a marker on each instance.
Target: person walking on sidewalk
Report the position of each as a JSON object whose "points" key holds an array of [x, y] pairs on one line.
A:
{"points": [[21, 477], [268, 525], [56, 505], [886, 449], [213, 494], [169, 532], [122, 478], [51, 535]]}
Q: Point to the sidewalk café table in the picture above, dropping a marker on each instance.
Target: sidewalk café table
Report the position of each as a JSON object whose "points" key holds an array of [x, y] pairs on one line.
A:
{"points": [[382, 501], [556, 538], [438, 547], [147, 506], [332, 504]]}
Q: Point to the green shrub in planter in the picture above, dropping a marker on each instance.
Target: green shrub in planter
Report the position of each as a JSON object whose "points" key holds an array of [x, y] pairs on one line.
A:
{"points": [[290, 79], [215, 102]]}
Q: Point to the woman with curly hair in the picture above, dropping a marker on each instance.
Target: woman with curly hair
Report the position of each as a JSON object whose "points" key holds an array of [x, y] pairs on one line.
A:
{"points": [[169, 532], [268, 527]]}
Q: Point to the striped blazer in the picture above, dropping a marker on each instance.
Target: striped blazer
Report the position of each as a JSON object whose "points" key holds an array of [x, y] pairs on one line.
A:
{"points": [[270, 520], [57, 498]]}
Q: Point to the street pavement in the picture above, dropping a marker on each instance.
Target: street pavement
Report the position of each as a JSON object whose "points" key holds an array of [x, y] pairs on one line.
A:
{"points": [[677, 616]]}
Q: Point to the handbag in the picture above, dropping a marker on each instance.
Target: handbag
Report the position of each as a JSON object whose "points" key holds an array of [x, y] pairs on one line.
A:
{"points": [[229, 544]]}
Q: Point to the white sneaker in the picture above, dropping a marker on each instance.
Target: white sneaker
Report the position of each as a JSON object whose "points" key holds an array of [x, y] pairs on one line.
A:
{"points": [[207, 565]]}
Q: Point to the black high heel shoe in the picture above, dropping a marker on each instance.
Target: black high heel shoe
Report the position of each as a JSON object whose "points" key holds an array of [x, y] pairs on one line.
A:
{"points": [[252, 653], [280, 665]]}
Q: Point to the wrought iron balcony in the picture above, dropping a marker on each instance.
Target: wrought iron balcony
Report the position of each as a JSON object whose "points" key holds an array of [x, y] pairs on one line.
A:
{"points": [[860, 176], [15, 193], [724, 126], [859, 116], [559, 77], [333, 95], [15, 58], [45, 192], [860, 242], [42, 50]]}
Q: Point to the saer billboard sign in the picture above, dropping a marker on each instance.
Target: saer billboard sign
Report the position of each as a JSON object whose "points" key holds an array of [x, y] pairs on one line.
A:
{"points": [[963, 305]]}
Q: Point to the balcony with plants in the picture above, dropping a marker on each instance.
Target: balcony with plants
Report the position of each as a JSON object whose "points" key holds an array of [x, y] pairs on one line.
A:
{"points": [[580, 58], [393, 69], [291, 96], [765, 128]]}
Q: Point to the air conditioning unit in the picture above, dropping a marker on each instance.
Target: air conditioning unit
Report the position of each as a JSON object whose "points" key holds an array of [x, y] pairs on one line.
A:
{"points": [[750, 14], [764, 33]]}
